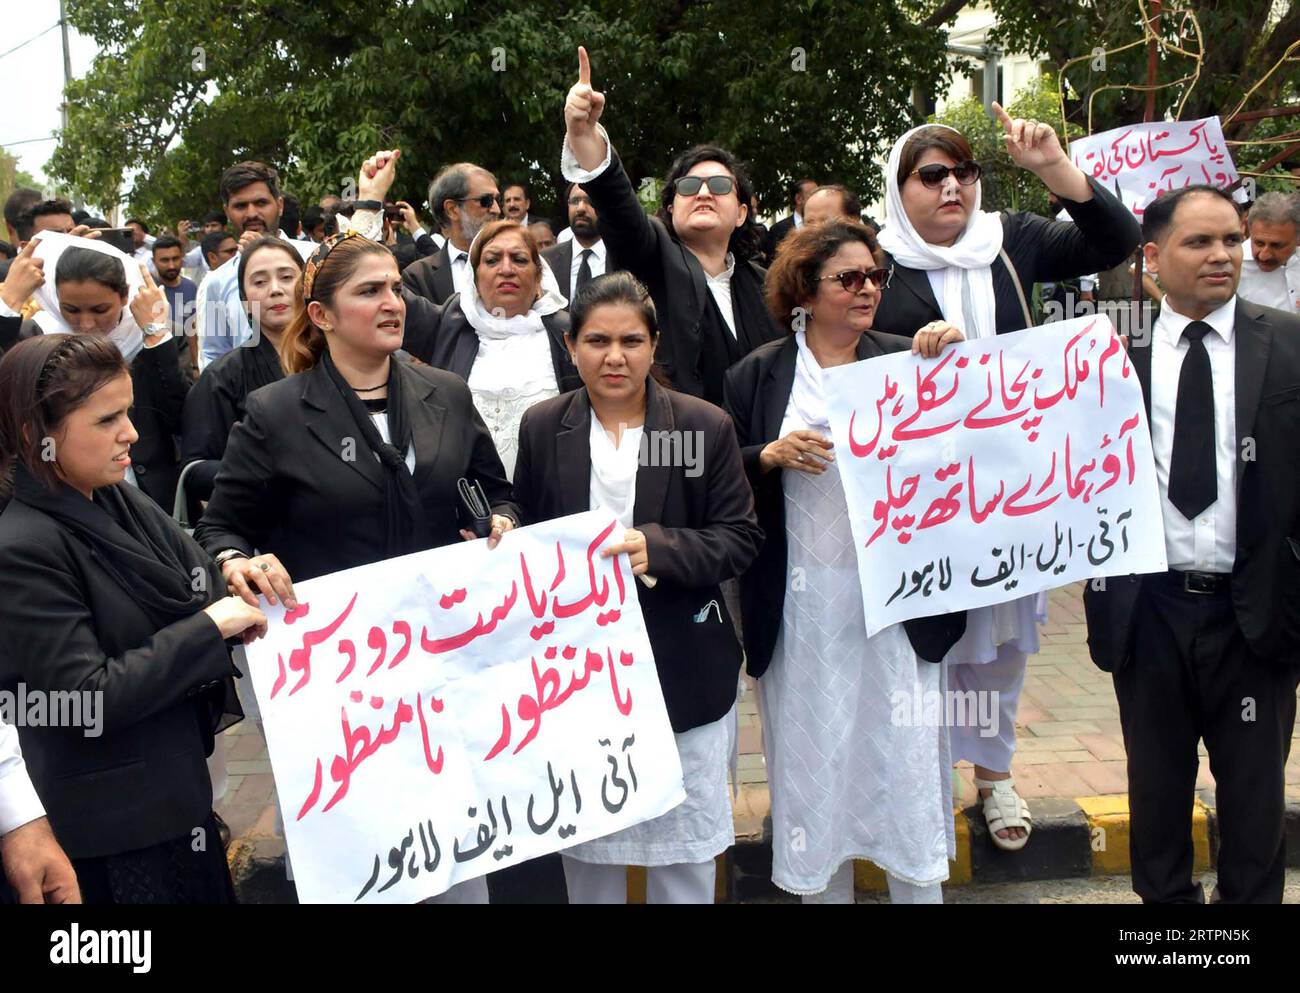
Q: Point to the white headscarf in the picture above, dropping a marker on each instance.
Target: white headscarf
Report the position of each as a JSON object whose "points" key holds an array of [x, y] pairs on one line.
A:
{"points": [[967, 261], [50, 246], [518, 347]]}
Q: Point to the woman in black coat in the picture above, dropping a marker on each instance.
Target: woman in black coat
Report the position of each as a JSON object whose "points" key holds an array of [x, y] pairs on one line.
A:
{"points": [[110, 605], [847, 777], [270, 272], [948, 260], [695, 257], [690, 525], [354, 457], [90, 296]]}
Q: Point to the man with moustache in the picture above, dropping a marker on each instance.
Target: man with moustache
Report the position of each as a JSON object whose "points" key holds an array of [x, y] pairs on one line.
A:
{"points": [[1209, 650], [253, 202], [168, 260], [580, 259], [463, 198], [1270, 265]]}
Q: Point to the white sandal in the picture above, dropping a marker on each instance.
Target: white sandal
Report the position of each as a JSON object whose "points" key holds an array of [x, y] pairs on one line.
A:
{"points": [[1004, 808]]}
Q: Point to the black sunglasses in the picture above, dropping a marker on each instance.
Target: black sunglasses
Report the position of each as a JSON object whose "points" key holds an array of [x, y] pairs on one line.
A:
{"points": [[719, 186], [484, 200], [854, 279], [934, 174]]}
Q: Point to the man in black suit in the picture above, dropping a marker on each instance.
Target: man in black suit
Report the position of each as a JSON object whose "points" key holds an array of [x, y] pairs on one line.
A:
{"points": [[800, 190], [463, 197], [574, 267], [1209, 650]]}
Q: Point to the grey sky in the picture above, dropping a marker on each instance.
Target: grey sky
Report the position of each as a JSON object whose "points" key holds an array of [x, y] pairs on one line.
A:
{"points": [[33, 79]]}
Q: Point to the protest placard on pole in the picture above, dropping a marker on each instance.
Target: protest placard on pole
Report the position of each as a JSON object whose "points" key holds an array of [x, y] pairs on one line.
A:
{"points": [[1141, 161], [1006, 466], [440, 715]]}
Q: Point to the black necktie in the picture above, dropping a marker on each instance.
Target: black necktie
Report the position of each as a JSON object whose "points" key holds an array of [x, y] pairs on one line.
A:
{"points": [[584, 272], [1193, 481]]}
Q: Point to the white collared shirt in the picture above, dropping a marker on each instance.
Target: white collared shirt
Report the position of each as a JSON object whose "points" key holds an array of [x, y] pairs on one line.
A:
{"points": [[1279, 288], [798, 220], [720, 287], [597, 264], [1207, 543], [19, 803], [459, 265]]}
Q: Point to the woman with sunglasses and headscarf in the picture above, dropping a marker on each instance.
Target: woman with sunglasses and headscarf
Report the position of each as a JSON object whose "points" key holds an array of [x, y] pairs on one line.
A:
{"points": [[354, 457], [270, 272], [695, 256], [847, 780], [950, 261]]}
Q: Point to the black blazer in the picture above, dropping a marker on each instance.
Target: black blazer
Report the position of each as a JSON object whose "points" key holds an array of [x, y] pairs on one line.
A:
{"points": [[68, 625], [285, 486], [1265, 583], [441, 336], [431, 276], [758, 391], [1103, 235], [675, 279], [160, 389], [776, 234], [700, 530], [560, 258]]}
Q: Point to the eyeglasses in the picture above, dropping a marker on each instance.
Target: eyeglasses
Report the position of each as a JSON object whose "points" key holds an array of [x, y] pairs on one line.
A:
{"points": [[579, 201], [484, 200], [719, 186], [854, 279], [934, 174]]}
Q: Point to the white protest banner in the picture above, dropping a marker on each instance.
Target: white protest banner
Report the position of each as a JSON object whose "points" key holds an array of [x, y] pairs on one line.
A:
{"points": [[1141, 161], [434, 717], [1006, 466]]}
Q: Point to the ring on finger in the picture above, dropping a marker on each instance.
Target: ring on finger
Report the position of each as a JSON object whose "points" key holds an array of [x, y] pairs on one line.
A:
{"points": [[799, 457], [264, 566]]}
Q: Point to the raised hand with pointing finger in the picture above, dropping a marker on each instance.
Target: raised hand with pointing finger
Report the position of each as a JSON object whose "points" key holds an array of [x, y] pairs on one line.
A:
{"points": [[582, 110], [1034, 145], [149, 307], [26, 275]]}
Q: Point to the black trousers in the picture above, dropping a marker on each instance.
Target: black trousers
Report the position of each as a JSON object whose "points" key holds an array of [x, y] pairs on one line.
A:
{"points": [[1193, 677]]}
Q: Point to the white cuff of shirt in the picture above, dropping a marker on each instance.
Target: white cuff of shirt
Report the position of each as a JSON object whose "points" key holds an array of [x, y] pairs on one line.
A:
{"points": [[7, 311], [368, 224], [419, 233], [19, 803], [573, 172], [165, 338]]}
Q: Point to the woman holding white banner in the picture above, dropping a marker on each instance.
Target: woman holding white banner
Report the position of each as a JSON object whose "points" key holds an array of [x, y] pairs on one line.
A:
{"points": [[848, 779], [690, 525], [950, 261], [354, 457]]}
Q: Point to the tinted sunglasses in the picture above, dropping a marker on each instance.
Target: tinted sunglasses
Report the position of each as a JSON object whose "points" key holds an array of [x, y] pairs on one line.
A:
{"points": [[854, 279], [719, 186], [934, 174], [485, 200]]}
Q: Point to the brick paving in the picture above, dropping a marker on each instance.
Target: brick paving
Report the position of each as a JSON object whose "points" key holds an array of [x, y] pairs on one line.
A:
{"points": [[1069, 741]]}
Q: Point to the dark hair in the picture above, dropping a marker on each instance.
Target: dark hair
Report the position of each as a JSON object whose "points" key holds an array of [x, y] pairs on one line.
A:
{"points": [[291, 216], [243, 174], [80, 216], [793, 189], [744, 240], [522, 186], [849, 202], [302, 342], [313, 216], [19, 202], [211, 242], [26, 225], [269, 241], [214, 217], [1159, 214], [792, 277], [619, 287], [97, 222], [85, 265], [135, 220], [164, 241], [42, 381], [950, 142], [8, 250]]}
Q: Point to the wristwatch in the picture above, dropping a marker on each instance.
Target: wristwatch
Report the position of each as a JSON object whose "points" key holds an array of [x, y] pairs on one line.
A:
{"points": [[222, 557], [156, 328]]}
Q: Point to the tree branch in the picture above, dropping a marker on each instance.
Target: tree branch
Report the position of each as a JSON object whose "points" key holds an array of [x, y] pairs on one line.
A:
{"points": [[946, 13]]}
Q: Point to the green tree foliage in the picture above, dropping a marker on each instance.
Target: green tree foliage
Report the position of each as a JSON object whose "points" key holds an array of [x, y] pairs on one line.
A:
{"points": [[11, 177], [180, 90], [1005, 185], [1241, 40]]}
